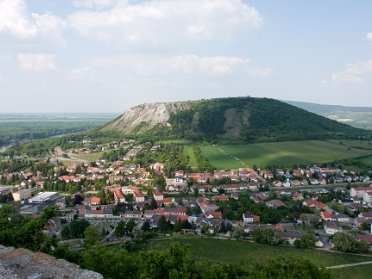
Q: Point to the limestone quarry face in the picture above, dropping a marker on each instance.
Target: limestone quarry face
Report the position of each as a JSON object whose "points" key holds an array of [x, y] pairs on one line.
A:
{"points": [[22, 263], [142, 118]]}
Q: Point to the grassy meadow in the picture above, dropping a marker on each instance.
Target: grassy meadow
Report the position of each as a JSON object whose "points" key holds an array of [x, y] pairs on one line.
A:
{"points": [[247, 254], [282, 153]]}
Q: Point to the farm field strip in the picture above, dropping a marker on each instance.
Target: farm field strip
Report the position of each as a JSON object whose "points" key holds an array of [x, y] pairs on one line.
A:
{"points": [[282, 153]]}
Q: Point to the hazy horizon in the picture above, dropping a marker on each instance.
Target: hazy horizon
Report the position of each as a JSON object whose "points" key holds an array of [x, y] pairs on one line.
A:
{"points": [[108, 55]]}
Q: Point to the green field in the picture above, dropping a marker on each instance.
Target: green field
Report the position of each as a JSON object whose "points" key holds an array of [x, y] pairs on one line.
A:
{"points": [[89, 156], [356, 272], [247, 254], [190, 152], [282, 153]]}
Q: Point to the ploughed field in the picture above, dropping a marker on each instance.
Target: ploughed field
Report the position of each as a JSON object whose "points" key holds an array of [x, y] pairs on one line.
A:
{"points": [[282, 153], [246, 254]]}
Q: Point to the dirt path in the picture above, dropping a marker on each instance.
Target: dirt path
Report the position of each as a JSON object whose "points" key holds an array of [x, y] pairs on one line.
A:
{"points": [[230, 155], [348, 265]]}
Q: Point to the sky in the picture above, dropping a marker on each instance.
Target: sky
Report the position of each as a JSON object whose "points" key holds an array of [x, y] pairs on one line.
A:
{"points": [[109, 55]]}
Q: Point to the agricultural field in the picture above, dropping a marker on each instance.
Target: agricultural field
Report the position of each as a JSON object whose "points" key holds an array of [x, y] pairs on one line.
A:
{"points": [[282, 153], [190, 152], [247, 254]]}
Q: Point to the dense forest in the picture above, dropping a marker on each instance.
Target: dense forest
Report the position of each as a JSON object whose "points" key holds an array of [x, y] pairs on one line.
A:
{"points": [[14, 132]]}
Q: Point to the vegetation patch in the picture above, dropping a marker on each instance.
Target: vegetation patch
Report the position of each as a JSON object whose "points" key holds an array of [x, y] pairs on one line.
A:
{"points": [[247, 254]]}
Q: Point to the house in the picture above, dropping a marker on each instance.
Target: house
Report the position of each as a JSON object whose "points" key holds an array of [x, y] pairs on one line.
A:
{"points": [[304, 182], [314, 181], [342, 218], [158, 196], [260, 197], [277, 183], [358, 192], [132, 215], [297, 173], [332, 227], [295, 183], [138, 196], [327, 216], [165, 202], [221, 198], [275, 203], [95, 201], [179, 174], [175, 184], [297, 196], [22, 195], [213, 215], [292, 236], [119, 197], [367, 215], [367, 197], [322, 181], [267, 174], [250, 218], [313, 203], [364, 237]]}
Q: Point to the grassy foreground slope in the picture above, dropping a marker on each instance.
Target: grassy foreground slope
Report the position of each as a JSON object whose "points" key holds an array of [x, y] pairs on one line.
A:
{"points": [[247, 254], [282, 153]]}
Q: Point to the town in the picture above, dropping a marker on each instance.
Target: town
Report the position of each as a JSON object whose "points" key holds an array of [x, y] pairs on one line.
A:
{"points": [[132, 194]]}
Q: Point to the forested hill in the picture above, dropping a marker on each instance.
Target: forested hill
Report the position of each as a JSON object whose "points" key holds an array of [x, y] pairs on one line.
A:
{"points": [[242, 119]]}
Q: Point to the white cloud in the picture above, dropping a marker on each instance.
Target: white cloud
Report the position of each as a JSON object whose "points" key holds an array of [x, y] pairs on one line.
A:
{"points": [[169, 22], [369, 37], [92, 3], [355, 73], [182, 66], [216, 65], [36, 62], [82, 73], [17, 20]]}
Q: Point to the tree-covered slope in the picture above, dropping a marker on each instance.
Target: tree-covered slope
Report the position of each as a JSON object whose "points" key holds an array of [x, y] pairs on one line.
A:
{"points": [[242, 119]]}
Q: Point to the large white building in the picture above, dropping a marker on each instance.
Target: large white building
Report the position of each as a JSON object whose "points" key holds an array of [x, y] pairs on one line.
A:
{"points": [[48, 198]]}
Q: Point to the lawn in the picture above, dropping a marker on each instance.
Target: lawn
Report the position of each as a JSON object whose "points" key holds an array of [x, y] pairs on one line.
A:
{"points": [[190, 152], [355, 272], [281, 153], [367, 161], [247, 254], [89, 156]]}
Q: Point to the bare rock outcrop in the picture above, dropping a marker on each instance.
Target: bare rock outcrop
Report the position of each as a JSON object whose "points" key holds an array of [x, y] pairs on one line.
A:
{"points": [[25, 264], [142, 118]]}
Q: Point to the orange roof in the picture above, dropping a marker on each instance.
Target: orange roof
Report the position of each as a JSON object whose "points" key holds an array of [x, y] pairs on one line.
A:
{"points": [[119, 194], [158, 193], [327, 215], [182, 218], [95, 200]]}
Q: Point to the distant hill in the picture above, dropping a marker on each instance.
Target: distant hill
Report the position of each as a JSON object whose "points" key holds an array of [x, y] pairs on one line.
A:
{"points": [[360, 117], [242, 119]]}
